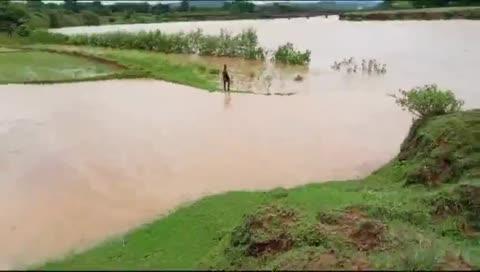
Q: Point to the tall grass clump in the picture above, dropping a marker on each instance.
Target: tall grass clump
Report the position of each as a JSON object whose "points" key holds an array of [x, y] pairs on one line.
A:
{"points": [[244, 45], [287, 54]]}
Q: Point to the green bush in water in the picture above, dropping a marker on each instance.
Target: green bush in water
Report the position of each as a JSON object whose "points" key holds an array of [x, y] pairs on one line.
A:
{"points": [[428, 101], [244, 45], [23, 30], [288, 55]]}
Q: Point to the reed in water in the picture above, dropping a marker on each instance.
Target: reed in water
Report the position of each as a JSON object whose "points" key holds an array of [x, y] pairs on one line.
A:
{"points": [[367, 66]]}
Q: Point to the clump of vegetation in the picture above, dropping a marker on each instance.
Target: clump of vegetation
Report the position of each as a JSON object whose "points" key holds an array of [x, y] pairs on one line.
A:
{"points": [[442, 147], [428, 100], [265, 232], [464, 201], [90, 18], [23, 30], [438, 146], [287, 54], [243, 45]]}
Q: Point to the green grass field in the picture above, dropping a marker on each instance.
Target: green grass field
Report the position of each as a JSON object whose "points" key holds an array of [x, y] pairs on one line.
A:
{"points": [[31, 66], [419, 212], [48, 63]]}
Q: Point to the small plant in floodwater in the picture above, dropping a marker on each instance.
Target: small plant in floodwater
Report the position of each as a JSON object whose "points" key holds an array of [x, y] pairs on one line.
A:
{"points": [[287, 54], [428, 101]]}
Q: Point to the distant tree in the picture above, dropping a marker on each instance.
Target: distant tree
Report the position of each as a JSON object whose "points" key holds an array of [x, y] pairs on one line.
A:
{"points": [[11, 17], [160, 8], [242, 6], [97, 4], [4, 3], [90, 18], [430, 3], [34, 4], [54, 21], [227, 6], [100, 9], [71, 5], [465, 2], [135, 7], [52, 6], [184, 6]]}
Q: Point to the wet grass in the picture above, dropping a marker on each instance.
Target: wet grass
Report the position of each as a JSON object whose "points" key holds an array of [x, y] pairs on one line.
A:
{"points": [[31, 66], [378, 222], [133, 63]]}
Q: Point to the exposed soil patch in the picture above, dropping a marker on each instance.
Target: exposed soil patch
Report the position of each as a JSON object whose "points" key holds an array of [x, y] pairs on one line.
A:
{"points": [[273, 246], [368, 235], [266, 232]]}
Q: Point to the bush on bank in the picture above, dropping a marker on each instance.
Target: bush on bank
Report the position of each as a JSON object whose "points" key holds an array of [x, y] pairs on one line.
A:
{"points": [[428, 100], [243, 45]]}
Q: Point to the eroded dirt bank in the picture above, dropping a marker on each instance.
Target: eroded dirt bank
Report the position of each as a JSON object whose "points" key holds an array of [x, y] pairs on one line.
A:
{"points": [[84, 161]]}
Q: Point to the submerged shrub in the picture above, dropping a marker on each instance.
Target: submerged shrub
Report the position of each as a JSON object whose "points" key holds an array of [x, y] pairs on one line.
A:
{"points": [[288, 55], [244, 44], [23, 30], [428, 101]]}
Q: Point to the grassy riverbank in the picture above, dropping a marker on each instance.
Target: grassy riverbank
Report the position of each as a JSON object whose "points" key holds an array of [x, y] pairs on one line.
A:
{"points": [[120, 64], [443, 13], [18, 67], [420, 211]]}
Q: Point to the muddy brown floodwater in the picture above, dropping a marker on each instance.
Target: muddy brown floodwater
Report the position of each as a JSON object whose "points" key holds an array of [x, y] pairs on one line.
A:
{"points": [[81, 162], [87, 160]]}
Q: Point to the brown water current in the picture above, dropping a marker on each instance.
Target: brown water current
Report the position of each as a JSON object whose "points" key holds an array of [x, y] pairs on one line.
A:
{"points": [[81, 162], [87, 160]]}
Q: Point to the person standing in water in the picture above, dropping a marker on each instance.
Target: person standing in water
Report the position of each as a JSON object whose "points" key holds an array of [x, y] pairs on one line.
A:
{"points": [[226, 79]]}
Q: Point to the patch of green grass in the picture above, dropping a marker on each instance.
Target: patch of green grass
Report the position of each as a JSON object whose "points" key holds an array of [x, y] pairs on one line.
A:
{"points": [[31, 66], [164, 67], [135, 63], [374, 223]]}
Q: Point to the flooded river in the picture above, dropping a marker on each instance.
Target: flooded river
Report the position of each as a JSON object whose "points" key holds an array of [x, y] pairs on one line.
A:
{"points": [[415, 52], [80, 162]]}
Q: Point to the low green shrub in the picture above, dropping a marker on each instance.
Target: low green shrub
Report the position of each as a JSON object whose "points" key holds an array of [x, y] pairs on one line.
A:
{"points": [[23, 30], [287, 54], [427, 101], [89, 18], [243, 45]]}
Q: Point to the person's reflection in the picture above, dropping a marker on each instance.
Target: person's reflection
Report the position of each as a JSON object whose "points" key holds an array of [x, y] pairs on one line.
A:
{"points": [[227, 100]]}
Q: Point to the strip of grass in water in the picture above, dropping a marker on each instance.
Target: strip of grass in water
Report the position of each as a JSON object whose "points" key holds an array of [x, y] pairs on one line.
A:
{"points": [[135, 64], [319, 226]]}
